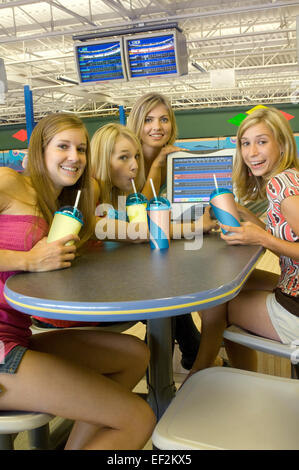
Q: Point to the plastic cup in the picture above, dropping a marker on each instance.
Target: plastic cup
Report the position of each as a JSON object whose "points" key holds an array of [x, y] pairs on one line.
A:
{"points": [[158, 213], [223, 204], [67, 220], [136, 205]]}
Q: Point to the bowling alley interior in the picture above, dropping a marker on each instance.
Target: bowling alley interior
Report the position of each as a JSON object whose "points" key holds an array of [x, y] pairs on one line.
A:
{"points": [[149, 228]]}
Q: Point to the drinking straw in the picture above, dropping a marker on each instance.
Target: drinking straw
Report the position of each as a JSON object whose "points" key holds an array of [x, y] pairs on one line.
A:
{"points": [[215, 181], [134, 189], [153, 189], [77, 199]]}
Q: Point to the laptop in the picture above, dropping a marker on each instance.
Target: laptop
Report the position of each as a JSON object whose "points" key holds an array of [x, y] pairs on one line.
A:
{"points": [[190, 180]]}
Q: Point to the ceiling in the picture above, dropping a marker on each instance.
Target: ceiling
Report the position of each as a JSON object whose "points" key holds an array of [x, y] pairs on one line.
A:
{"points": [[256, 39]]}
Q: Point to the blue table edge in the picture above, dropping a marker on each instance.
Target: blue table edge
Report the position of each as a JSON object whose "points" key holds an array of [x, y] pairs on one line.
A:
{"points": [[123, 311]]}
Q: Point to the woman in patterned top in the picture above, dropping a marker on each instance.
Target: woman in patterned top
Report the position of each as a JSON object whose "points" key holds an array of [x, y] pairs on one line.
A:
{"points": [[266, 165]]}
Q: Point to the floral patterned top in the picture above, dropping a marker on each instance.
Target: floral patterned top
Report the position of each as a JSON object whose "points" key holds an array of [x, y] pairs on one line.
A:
{"points": [[280, 187]]}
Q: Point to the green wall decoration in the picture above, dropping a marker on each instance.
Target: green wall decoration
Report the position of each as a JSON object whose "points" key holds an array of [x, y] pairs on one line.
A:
{"points": [[192, 124]]}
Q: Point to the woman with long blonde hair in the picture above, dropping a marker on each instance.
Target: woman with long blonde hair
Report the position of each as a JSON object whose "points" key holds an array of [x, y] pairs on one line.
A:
{"points": [[103, 164], [266, 164], [85, 376], [117, 164], [152, 119], [249, 186], [47, 198]]}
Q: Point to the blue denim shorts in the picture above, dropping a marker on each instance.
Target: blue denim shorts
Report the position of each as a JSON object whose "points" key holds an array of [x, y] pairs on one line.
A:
{"points": [[12, 360]]}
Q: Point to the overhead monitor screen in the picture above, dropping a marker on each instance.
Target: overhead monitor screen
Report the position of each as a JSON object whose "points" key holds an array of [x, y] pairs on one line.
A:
{"points": [[153, 54], [100, 61]]}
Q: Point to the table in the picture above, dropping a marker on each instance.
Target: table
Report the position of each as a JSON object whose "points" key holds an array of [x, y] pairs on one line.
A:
{"points": [[122, 282]]}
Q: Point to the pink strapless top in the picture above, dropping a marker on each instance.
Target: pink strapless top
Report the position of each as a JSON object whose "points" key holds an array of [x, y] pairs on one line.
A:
{"points": [[18, 233]]}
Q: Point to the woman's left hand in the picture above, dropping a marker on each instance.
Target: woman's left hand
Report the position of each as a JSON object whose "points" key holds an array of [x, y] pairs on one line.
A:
{"points": [[161, 159], [248, 234]]}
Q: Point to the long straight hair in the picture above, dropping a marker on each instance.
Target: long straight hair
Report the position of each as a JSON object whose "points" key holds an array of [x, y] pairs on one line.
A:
{"points": [[247, 186], [47, 202], [143, 106], [102, 145]]}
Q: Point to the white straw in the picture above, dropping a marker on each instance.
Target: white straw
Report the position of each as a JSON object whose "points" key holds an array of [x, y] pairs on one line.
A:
{"points": [[134, 187], [215, 181], [153, 189], [77, 199]]}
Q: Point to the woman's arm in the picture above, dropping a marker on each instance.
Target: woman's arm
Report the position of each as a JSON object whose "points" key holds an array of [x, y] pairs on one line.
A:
{"points": [[249, 216], [120, 230], [251, 234], [43, 256], [115, 229], [156, 171], [290, 211], [9, 187], [208, 223], [154, 175], [189, 229]]}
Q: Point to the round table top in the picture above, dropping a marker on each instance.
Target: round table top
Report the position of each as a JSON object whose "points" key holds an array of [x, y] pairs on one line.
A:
{"points": [[116, 281]]}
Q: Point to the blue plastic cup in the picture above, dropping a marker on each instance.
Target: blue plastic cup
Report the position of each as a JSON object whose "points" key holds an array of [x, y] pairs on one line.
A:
{"points": [[223, 204], [158, 213]]}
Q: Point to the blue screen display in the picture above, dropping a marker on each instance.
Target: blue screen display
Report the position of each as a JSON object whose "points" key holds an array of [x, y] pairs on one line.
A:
{"points": [[152, 56], [100, 62], [193, 178]]}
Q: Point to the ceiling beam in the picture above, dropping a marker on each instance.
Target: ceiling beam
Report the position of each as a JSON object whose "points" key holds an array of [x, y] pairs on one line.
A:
{"points": [[83, 19], [177, 17], [120, 9]]}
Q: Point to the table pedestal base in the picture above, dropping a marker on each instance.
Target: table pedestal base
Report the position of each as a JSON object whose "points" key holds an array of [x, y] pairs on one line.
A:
{"points": [[162, 387]]}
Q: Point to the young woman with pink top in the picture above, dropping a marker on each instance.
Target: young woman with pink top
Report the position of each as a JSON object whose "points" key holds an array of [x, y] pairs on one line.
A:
{"points": [[86, 376]]}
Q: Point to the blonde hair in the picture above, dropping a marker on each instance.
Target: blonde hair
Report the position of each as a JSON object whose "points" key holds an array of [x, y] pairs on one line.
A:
{"points": [[247, 186], [102, 145], [143, 106], [47, 202]]}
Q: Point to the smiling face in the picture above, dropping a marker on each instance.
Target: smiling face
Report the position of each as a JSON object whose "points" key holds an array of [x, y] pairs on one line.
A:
{"points": [[260, 150], [156, 131], [65, 157], [124, 163]]}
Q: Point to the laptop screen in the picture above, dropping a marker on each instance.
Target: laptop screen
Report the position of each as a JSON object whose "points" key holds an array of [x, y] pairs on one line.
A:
{"points": [[192, 179]]}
